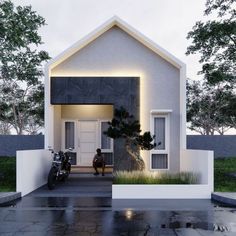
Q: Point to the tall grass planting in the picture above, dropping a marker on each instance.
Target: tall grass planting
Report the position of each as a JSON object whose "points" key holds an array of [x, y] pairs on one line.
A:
{"points": [[145, 177]]}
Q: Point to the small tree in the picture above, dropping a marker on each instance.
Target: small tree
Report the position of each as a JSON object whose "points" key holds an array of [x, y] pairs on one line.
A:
{"points": [[124, 126]]}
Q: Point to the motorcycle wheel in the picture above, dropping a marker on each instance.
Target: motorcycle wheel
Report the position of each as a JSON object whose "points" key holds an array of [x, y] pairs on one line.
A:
{"points": [[52, 178], [68, 169]]}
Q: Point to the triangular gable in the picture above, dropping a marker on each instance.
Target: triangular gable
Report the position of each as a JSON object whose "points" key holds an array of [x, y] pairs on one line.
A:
{"points": [[115, 21]]}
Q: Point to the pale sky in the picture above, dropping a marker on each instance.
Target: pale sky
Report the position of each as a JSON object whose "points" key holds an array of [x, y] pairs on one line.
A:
{"points": [[166, 22]]}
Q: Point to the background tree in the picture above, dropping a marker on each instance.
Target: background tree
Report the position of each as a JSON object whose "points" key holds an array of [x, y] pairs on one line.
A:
{"points": [[215, 41], [5, 128], [21, 91], [124, 126], [209, 108], [210, 103]]}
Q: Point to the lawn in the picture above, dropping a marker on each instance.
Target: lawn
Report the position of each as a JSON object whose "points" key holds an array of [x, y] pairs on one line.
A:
{"points": [[223, 182], [7, 174]]}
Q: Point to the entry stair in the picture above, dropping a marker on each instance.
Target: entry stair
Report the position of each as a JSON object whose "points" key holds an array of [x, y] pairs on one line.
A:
{"points": [[90, 169]]}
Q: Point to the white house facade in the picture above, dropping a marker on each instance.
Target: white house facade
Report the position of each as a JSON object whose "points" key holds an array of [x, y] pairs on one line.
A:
{"points": [[116, 66]]}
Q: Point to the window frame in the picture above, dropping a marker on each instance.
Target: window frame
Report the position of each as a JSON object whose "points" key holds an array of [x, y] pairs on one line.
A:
{"points": [[100, 138], [63, 141], [166, 115]]}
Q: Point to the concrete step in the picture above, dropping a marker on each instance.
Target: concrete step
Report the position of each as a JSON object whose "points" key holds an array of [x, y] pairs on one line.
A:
{"points": [[89, 169], [6, 197]]}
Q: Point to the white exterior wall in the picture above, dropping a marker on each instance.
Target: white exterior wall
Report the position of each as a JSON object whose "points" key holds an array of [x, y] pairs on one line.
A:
{"points": [[115, 53], [199, 161], [32, 168], [57, 128]]}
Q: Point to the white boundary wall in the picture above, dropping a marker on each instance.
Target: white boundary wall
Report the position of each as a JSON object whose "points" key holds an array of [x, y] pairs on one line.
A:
{"points": [[199, 161], [32, 167], [196, 161]]}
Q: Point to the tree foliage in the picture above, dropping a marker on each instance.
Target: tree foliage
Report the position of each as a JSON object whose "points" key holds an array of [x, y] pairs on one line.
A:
{"points": [[21, 91], [215, 41], [124, 126], [210, 103], [209, 108]]}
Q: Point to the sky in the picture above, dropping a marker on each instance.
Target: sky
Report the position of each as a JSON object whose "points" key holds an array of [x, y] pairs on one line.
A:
{"points": [[166, 22]]}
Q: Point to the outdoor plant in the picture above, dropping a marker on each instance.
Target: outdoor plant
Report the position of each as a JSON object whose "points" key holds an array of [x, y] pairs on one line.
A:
{"points": [[224, 174], [7, 174], [145, 177], [124, 126]]}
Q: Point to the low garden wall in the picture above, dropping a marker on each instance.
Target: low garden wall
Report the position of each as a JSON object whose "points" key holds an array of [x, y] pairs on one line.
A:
{"points": [[195, 161], [9, 144], [222, 145], [32, 168]]}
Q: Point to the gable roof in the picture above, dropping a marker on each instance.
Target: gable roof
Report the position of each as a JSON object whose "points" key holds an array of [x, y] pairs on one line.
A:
{"points": [[115, 21]]}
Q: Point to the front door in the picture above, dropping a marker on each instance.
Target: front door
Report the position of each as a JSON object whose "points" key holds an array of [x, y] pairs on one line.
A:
{"points": [[87, 141], [84, 137]]}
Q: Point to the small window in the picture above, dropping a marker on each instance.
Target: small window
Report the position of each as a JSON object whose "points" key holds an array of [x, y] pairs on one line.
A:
{"points": [[69, 135], [159, 132], [159, 156], [159, 161], [105, 141], [108, 158]]}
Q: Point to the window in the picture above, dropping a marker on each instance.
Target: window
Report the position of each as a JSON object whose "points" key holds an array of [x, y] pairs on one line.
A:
{"points": [[106, 143], [69, 135], [159, 131], [159, 158]]}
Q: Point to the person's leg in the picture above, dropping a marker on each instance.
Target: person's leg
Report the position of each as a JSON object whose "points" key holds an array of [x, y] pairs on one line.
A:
{"points": [[95, 167], [103, 168]]}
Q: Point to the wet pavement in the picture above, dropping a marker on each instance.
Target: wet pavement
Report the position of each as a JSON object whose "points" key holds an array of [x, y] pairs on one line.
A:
{"points": [[43, 212]]}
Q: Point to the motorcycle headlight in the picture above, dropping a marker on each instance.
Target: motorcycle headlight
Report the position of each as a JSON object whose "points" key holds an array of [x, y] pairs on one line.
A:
{"points": [[57, 157]]}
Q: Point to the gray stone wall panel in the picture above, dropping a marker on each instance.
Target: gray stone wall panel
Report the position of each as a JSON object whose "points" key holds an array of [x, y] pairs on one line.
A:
{"points": [[222, 145], [9, 144], [118, 91]]}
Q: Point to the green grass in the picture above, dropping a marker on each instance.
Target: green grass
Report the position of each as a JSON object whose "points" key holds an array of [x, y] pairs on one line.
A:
{"points": [[142, 177], [7, 174], [224, 183]]}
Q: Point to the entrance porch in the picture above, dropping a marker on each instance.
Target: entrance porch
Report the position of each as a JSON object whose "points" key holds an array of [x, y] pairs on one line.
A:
{"points": [[81, 128]]}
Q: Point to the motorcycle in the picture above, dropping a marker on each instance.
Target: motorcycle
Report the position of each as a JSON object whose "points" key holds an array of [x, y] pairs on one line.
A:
{"points": [[61, 167]]}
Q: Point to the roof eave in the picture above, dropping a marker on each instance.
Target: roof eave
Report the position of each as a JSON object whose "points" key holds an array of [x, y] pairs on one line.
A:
{"points": [[114, 21]]}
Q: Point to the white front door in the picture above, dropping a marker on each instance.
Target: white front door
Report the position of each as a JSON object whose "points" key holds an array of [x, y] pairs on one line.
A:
{"points": [[87, 142]]}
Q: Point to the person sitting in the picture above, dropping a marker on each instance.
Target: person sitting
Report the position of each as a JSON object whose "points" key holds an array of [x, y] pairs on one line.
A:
{"points": [[98, 161]]}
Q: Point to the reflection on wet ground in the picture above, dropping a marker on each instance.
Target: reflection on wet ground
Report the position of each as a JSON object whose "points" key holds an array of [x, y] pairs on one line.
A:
{"points": [[96, 216], [47, 213]]}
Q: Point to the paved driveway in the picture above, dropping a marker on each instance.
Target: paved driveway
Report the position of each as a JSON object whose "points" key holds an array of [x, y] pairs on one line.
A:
{"points": [[83, 206]]}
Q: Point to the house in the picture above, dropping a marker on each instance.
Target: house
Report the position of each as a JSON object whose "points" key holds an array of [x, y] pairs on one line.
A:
{"points": [[116, 66]]}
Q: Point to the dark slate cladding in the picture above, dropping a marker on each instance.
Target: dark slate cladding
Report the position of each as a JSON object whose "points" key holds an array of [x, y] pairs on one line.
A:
{"points": [[118, 91], [9, 144]]}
